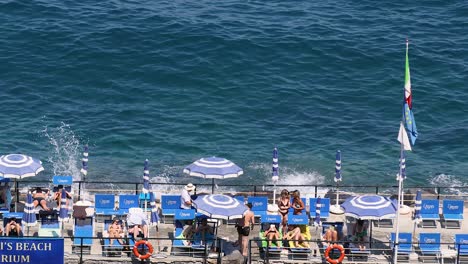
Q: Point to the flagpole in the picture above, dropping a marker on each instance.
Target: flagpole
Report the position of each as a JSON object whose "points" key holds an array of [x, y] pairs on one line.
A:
{"points": [[400, 186], [402, 148]]}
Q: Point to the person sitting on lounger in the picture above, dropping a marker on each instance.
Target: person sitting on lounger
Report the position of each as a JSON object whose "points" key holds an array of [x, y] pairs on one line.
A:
{"points": [[204, 229], [39, 198], [360, 233], [13, 229], [330, 236], [272, 234], [294, 234], [115, 232], [58, 195]]}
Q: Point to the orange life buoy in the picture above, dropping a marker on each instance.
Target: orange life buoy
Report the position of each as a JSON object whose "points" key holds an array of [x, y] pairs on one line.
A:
{"points": [[330, 248], [146, 243]]}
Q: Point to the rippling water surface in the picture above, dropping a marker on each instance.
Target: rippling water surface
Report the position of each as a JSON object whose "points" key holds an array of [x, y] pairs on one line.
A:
{"points": [[173, 81]]}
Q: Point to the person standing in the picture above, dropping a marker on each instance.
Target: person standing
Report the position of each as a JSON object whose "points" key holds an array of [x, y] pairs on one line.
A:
{"points": [[297, 203], [244, 226], [185, 197]]}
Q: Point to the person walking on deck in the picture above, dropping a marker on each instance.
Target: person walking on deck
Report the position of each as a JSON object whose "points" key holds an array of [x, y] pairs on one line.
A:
{"points": [[244, 226]]}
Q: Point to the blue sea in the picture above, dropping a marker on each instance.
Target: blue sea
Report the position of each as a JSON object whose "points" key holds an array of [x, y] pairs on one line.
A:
{"points": [[174, 81]]}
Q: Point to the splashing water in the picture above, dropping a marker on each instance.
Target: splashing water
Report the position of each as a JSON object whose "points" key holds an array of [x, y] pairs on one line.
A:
{"points": [[65, 152]]}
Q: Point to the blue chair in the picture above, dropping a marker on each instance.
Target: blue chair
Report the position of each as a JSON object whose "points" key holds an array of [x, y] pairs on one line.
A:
{"points": [[461, 245], [302, 252], [169, 204], [324, 209], [83, 233], [429, 213], [104, 204], [429, 245], [108, 249], [259, 205], [50, 227], [127, 201], [405, 246], [145, 200], [452, 212], [180, 246]]}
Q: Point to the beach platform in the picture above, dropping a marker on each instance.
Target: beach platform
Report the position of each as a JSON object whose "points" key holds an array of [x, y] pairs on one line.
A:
{"points": [[379, 251]]}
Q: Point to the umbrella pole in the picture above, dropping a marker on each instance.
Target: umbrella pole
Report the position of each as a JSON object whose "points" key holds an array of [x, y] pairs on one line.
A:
{"points": [[17, 195], [212, 186], [400, 182]]}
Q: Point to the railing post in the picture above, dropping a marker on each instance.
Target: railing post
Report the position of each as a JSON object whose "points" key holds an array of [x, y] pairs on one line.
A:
{"points": [[438, 192], [316, 191], [255, 194], [136, 188], [81, 250], [376, 189], [249, 256], [79, 190]]}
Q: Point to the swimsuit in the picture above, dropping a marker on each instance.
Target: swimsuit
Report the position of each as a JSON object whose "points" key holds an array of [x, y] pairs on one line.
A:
{"points": [[284, 211]]}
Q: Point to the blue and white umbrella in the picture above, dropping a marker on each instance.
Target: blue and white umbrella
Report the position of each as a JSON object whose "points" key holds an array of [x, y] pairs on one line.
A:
{"points": [[63, 213], [417, 208], [318, 206], [338, 167], [219, 206], [274, 173], [213, 168], [29, 216], [146, 178], [154, 219], [18, 166], [370, 207]]}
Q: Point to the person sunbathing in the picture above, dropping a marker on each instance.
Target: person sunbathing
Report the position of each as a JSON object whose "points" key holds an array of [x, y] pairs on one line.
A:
{"points": [[294, 234], [39, 198], [272, 234], [115, 231], [330, 236], [360, 233], [12, 229], [58, 195]]}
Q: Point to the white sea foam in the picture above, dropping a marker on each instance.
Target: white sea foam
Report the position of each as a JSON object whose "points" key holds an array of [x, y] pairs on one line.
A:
{"points": [[453, 183]]}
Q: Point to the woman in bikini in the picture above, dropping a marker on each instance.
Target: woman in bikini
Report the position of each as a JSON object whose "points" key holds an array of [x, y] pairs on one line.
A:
{"points": [[284, 203], [272, 234], [297, 203], [294, 234], [115, 232]]}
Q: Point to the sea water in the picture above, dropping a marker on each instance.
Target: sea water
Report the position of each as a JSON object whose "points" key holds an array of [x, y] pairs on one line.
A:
{"points": [[174, 81]]}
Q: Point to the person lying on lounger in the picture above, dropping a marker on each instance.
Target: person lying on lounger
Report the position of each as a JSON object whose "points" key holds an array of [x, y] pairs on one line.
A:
{"points": [[115, 231], [39, 198], [58, 195]]}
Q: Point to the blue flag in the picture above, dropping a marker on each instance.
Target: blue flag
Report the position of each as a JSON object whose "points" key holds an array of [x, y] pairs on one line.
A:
{"points": [[410, 123]]}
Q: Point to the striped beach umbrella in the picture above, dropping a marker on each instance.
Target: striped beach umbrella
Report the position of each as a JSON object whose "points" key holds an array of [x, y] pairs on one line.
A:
{"points": [[84, 161], [18, 166], [370, 207], [219, 206], [63, 213], [213, 168], [29, 216], [275, 175], [318, 206], [417, 207], [338, 167], [146, 178], [154, 220]]}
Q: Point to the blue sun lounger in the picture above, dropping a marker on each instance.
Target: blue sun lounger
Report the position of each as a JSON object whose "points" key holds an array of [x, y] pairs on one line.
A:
{"points": [[324, 208], [83, 235], [452, 213], [302, 252], [105, 205], [429, 246], [169, 205], [273, 251], [110, 250], [127, 201], [429, 213], [405, 247], [259, 205]]}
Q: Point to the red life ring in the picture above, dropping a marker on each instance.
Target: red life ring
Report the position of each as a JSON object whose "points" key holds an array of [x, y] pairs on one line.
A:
{"points": [[338, 260], [148, 254]]}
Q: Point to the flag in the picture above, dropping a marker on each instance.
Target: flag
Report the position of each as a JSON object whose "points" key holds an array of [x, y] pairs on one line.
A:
{"points": [[408, 95], [402, 174], [408, 104], [403, 138]]}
